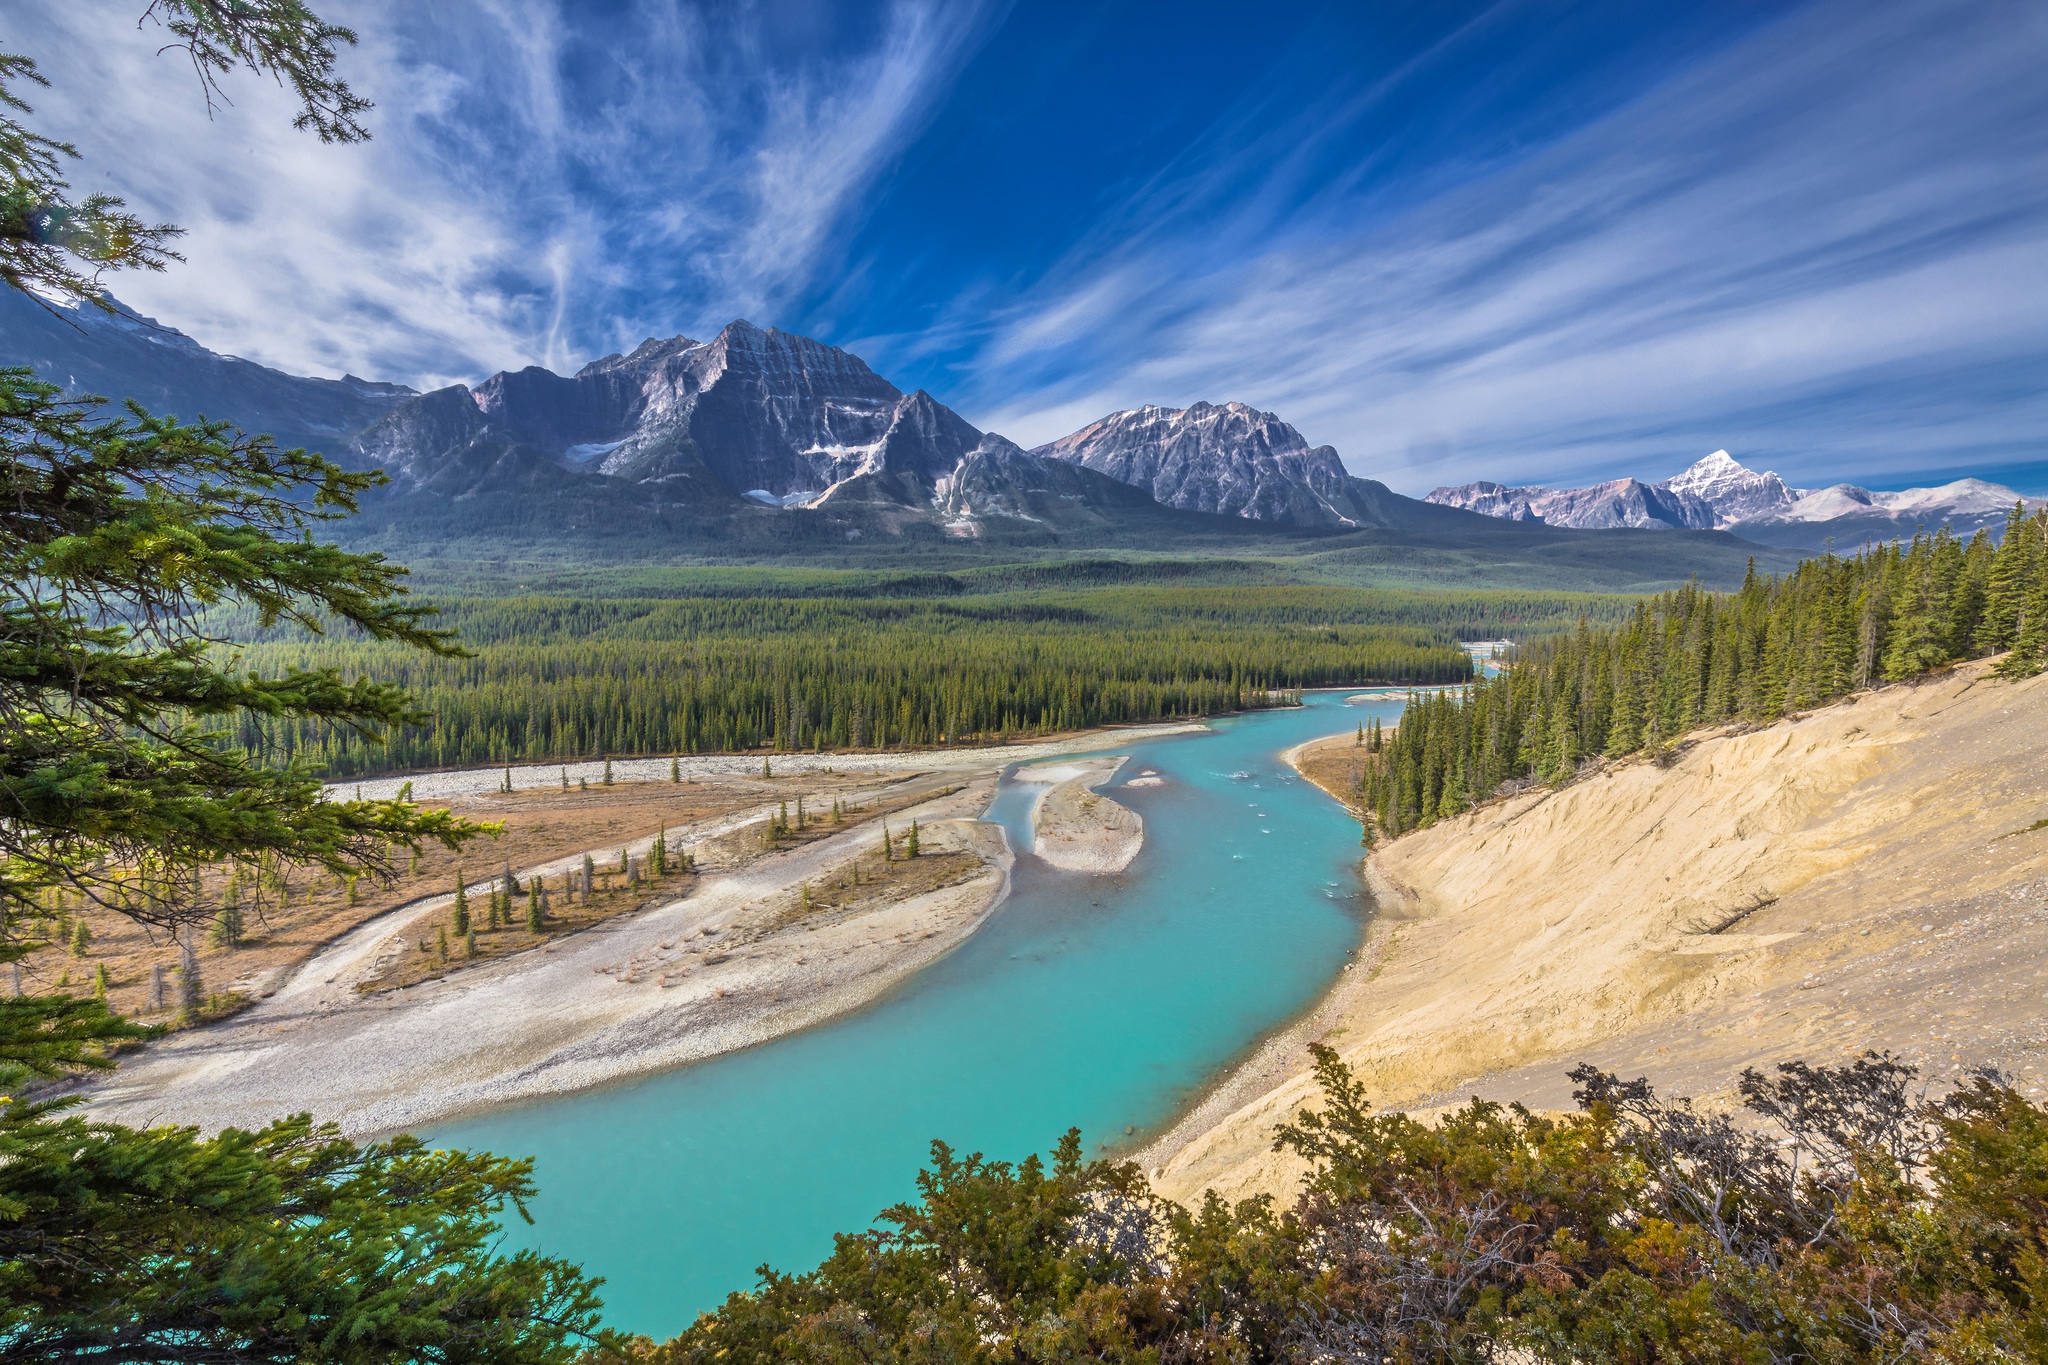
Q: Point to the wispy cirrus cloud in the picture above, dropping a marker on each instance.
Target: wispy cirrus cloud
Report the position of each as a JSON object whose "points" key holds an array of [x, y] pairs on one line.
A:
{"points": [[544, 183], [1823, 247]]}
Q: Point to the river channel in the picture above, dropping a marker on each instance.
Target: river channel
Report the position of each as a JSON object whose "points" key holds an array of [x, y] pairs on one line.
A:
{"points": [[1105, 1003]]}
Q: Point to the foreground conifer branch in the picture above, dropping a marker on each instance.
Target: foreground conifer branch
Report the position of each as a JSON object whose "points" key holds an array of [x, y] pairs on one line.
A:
{"points": [[1842, 1217]]}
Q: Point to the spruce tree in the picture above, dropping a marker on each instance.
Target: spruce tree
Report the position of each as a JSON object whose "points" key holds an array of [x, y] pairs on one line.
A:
{"points": [[2012, 573], [2029, 653], [459, 917], [910, 841], [191, 991], [227, 927], [536, 921], [81, 937]]}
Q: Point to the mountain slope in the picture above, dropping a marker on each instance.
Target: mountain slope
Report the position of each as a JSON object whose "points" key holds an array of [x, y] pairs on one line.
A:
{"points": [[123, 355]]}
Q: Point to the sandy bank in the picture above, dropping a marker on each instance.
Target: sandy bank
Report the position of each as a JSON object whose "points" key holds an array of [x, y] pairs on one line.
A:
{"points": [[1074, 827], [1861, 877], [744, 957], [430, 786]]}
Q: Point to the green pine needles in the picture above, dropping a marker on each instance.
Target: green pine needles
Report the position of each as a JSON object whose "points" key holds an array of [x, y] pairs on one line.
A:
{"points": [[117, 756]]}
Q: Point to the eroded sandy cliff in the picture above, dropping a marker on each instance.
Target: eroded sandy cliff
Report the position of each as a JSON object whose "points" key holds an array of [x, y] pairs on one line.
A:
{"points": [[1866, 876]]}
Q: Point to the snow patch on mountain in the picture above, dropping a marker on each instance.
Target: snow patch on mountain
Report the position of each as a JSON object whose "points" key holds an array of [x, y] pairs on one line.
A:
{"points": [[1967, 496]]}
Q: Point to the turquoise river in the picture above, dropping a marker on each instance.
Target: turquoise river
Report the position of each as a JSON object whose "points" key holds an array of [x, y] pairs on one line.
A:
{"points": [[1099, 1002]]}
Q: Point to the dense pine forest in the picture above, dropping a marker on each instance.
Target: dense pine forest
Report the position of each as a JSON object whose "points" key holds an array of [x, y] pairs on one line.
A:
{"points": [[1690, 658], [561, 677]]}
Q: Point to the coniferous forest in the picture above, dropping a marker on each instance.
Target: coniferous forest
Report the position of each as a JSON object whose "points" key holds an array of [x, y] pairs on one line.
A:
{"points": [[171, 704], [1690, 658], [575, 678]]}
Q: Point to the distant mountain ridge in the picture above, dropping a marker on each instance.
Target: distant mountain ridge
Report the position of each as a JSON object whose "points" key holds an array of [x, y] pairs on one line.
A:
{"points": [[1603, 506], [1720, 493]]}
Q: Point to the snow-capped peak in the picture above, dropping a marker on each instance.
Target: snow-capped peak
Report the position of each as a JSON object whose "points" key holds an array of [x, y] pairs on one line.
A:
{"points": [[1736, 492]]}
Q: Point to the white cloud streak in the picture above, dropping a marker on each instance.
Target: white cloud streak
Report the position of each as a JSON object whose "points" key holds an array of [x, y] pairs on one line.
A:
{"points": [[1824, 248], [506, 212]]}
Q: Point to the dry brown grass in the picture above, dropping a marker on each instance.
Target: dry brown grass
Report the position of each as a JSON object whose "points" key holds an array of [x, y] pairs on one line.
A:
{"points": [[538, 827], [1334, 764]]}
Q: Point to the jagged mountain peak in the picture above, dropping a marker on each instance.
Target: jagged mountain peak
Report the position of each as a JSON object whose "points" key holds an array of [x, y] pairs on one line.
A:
{"points": [[1735, 491], [1718, 467], [1228, 458], [649, 352]]}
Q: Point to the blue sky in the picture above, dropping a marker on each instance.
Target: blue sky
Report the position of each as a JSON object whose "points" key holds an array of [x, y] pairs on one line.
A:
{"points": [[1534, 242]]}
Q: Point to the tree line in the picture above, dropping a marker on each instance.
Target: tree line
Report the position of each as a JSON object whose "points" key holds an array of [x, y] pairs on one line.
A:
{"points": [[557, 678], [1691, 658]]}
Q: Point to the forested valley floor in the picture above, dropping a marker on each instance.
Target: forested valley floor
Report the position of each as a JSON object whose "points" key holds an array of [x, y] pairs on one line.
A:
{"points": [[738, 663]]}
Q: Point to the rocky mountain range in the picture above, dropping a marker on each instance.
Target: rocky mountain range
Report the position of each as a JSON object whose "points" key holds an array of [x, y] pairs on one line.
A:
{"points": [[760, 442], [749, 423], [1720, 493]]}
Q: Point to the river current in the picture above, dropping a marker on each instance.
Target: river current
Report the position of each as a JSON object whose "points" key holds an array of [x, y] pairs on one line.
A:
{"points": [[1105, 1003]]}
